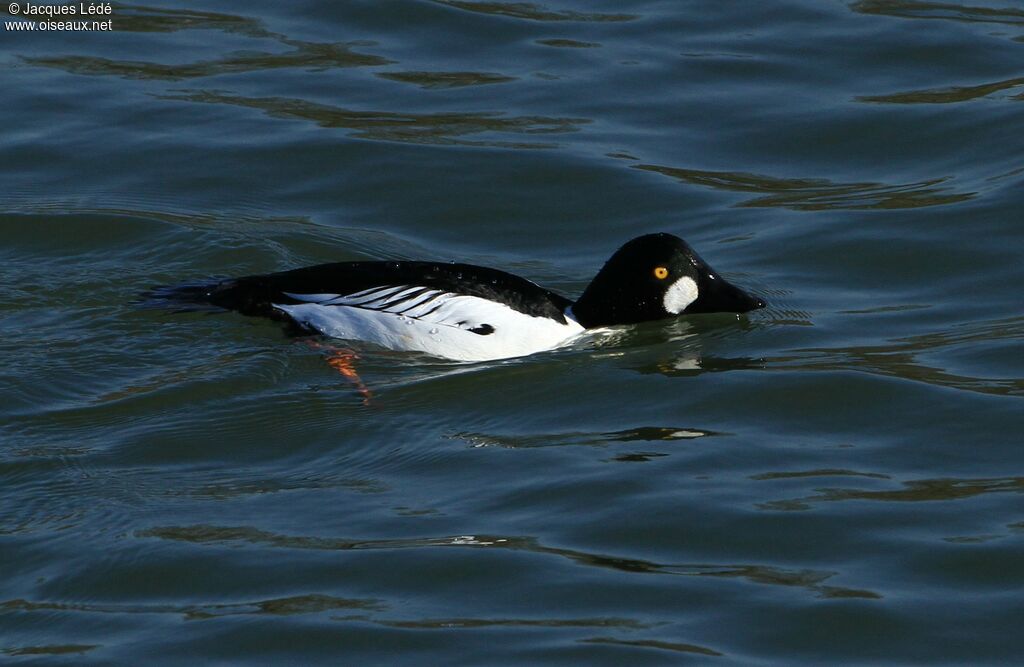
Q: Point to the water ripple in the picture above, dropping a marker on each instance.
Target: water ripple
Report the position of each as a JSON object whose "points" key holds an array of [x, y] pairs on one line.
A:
{"points": [[898, 358], [654, 643], [434, 80], [828, 472], [568, 43], [289, 606], [817, 194], [49, 649], [308, 55], [923, 490], [811, 580], [532, 12], [914, 9], [139, 18], [949, 95], [235, 488], [643, 434], [416, 128], [448, 623]]}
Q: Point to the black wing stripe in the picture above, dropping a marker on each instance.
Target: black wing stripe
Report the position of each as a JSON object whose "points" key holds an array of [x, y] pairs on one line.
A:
{"points": [[422, 315], [385, 301], [413, 301], [369, 294], [365, 292], [403, 297], [381, 295], [385, 298], [424, 301]]}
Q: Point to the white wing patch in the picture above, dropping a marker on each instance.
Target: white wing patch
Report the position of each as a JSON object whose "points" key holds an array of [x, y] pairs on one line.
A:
{"points": [[411, 301], [444, 324]]}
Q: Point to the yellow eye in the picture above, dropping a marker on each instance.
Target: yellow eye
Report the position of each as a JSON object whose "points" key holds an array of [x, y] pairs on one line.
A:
{"points": [[660, 272]]}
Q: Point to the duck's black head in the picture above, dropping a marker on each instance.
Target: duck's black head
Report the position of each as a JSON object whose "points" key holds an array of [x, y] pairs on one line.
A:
{"points": [[654, 277]]}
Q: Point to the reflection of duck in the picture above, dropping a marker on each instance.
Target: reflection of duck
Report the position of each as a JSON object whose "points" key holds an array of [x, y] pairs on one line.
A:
{"points": [[472, 313]]}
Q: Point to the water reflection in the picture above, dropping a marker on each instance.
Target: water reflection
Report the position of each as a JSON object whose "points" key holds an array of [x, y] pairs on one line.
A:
{"points": [[417, 128], [810, 580], [568, 43], [816, 194], [689, 365], [289, 606], [532, 12], [431, 80], [915, 9], [49, 649], [676, 348], [924, 490], [48, 451], [826, 472], [612, 623], [898, 358], [642, 434], [654, 643], [309, 55], [638, 457], [948, 95], [139, 18], [446, 623], [236, 489]]}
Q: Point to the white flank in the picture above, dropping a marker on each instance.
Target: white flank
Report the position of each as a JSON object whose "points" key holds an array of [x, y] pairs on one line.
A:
{"points": [[679, 295], [435, 322]]}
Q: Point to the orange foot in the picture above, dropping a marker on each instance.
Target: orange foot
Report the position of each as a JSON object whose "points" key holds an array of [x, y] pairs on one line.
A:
{"points": [[343, 360]]}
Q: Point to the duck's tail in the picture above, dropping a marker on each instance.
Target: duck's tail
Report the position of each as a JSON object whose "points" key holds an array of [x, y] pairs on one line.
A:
{"points": [[182, 298], [249, 295]]}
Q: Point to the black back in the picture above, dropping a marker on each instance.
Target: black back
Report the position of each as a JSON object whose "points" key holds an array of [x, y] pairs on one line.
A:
{"points": [[254, 295]]}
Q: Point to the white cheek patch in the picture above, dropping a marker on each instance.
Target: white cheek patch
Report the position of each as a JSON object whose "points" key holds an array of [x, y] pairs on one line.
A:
{"points": [[679, 295]]}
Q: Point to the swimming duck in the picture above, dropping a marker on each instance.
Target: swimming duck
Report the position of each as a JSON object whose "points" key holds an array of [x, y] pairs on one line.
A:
{"points": [[473, 313]]}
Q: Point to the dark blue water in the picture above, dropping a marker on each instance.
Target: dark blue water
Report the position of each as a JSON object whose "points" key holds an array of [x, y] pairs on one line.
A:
{"points": [[837, 478]]}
